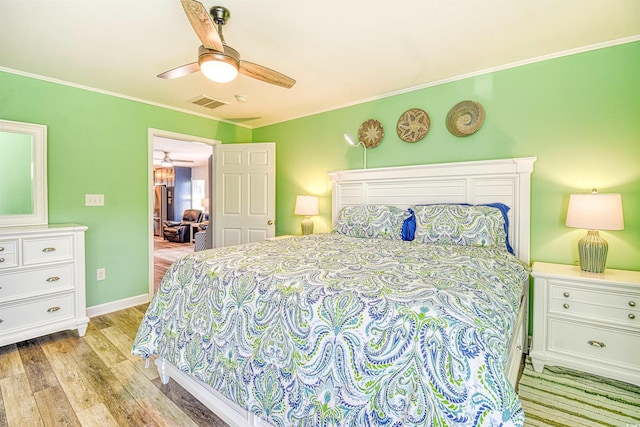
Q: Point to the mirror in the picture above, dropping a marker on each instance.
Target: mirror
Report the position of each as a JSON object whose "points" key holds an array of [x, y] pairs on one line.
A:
{"points": [[23, 174]]}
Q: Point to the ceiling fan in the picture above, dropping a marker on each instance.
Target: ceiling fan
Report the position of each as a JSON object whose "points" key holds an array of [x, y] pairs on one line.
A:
{"points": [[216, 60], [167, 161]]}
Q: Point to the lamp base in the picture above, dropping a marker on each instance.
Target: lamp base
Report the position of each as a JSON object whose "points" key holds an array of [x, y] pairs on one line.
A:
{"points": [[307, 226], [593, 252]]}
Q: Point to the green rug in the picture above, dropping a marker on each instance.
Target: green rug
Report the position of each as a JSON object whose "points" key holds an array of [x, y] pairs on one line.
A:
{"points": [[566, 397]]}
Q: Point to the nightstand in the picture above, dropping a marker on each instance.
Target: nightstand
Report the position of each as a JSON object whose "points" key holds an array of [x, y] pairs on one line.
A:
{"points": [[587, 321]]}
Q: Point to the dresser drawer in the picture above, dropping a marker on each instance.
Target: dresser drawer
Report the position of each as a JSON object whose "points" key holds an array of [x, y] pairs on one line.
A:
{"points": [[596, 343], [36, 312], [8, 247], [50, 249], [8, 253], [36, 280]]}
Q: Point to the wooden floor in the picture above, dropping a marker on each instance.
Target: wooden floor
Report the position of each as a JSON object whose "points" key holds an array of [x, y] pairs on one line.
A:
{"points": [[63, 380]]}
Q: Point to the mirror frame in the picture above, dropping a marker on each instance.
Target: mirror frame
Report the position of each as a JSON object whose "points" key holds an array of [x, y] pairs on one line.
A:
{"points": [[40, 207]]}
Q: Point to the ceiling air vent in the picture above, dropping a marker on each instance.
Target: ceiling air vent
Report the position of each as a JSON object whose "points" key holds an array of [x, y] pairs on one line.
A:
{"points": [[207, 102]]}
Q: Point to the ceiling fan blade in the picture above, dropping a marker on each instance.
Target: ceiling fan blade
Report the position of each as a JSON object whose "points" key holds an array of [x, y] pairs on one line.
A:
{"points": [[202, 24], [265, 74], [183, 70]]}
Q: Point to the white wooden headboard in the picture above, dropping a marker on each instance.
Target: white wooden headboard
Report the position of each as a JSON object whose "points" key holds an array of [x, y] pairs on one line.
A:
{"points": [[506, 181]]}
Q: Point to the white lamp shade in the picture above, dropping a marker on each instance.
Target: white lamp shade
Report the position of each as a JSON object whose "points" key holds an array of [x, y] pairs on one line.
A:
{"points": [[595, 211], [306, 205]]}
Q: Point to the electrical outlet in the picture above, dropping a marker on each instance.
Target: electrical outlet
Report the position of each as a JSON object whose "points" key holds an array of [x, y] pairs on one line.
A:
{"points": [[94, 199], [101, 274]]}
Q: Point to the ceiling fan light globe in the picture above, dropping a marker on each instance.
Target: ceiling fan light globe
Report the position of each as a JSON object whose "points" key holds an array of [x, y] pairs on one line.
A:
{"points": [[218, 68]]}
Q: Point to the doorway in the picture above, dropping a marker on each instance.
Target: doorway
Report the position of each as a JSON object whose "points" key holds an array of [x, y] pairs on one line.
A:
{"points": [[177, 154]]}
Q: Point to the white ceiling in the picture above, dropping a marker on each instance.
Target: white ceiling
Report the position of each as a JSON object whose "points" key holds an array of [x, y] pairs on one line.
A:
{"points": [[340, 52]]}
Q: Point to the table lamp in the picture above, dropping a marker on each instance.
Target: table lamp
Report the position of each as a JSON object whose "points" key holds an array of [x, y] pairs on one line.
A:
{"points": [[594, 212], [307, 206]]}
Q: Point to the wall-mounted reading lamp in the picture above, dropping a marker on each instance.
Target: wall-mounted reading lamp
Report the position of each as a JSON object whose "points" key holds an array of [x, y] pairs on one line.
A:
{"points": [[351, 142]]}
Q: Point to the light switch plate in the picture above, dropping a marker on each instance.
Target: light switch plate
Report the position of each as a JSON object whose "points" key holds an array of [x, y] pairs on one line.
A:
{"points": [[94, 199]]}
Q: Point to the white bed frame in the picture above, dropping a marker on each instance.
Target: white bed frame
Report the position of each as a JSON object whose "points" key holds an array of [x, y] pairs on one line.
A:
{"points": [[506, 181]]}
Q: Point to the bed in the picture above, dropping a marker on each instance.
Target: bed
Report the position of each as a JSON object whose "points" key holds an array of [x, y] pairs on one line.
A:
{"points": [[396, 317]]}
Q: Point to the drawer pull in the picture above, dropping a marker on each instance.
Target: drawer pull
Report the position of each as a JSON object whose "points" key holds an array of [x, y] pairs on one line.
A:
{"points": [[1, 320], [45, 250], [53, 279], [565, 305], [632, 303], [566, 294], [53, 309], [1, 248], [632, 316], [596, 344], [1, 259]]}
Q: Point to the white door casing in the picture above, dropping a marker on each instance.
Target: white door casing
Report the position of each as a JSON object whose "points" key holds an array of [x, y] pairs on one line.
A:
{"points": [[244, 192]]}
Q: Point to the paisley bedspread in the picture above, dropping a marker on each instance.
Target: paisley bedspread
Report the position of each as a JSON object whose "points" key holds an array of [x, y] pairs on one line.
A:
{"points": [[334, 330]]}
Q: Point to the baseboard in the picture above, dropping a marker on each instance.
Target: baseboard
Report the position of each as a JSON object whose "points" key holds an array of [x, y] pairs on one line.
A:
{"points": [[110, 307]]}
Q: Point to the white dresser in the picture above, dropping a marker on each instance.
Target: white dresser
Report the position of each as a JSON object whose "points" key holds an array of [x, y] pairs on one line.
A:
{"points": [[42, 281], [587, 321]]}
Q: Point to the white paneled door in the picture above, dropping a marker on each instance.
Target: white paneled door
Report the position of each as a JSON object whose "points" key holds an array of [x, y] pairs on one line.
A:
{"points": [[244, 181]]}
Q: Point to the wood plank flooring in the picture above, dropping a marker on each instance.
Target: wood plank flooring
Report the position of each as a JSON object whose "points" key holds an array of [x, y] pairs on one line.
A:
{"points": [[63, 380]]}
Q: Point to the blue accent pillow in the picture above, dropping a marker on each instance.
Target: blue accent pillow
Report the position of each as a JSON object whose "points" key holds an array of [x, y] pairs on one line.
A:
{"points": [[409, 226]]}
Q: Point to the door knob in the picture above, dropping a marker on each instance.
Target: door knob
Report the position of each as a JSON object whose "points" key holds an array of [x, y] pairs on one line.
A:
{"points": [[270, 222]]}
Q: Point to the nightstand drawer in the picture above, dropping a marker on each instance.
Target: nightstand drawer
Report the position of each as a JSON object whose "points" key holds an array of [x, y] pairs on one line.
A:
{"points": [[35, 312], [626, 316], [36, 281], [601, 297], [50, 249], [595, 343]]}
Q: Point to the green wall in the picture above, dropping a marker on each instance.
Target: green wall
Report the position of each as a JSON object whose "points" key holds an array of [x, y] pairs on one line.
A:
{"points": [[98, 144], [579, 115]]}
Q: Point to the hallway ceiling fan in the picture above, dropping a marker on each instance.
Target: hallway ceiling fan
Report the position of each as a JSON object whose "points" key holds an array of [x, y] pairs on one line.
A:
{"points": [[218, 61], [167, 161]]}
